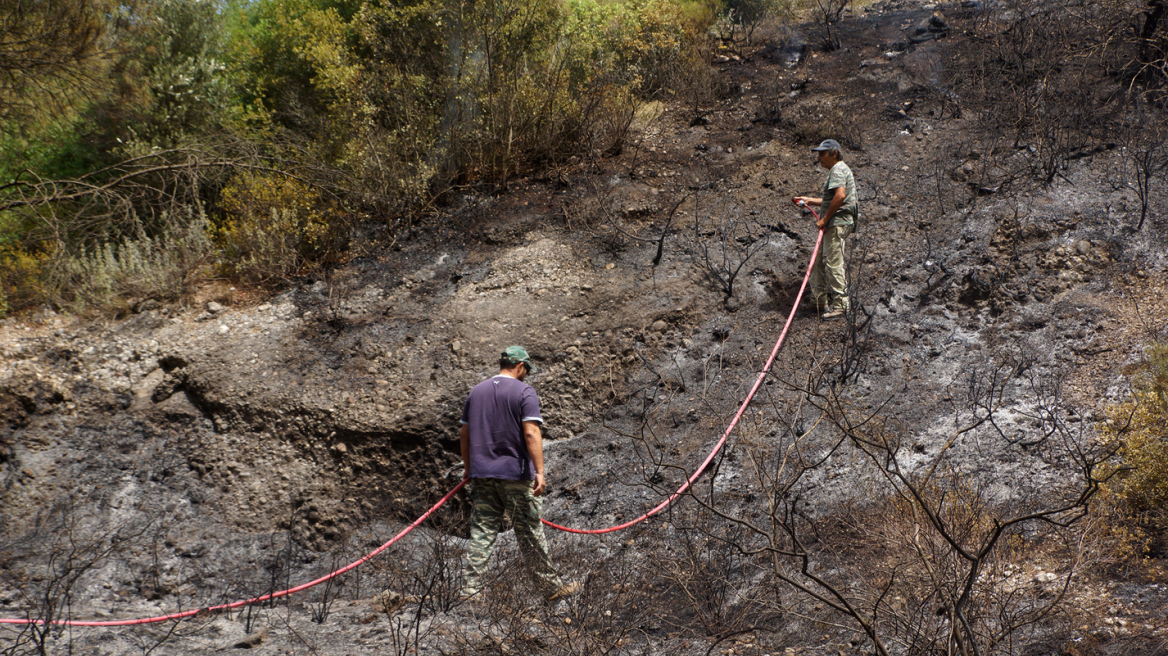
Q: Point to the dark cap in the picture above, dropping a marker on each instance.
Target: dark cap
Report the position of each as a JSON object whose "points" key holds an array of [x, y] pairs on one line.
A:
{"points": [[517, 354], [828, 144]]}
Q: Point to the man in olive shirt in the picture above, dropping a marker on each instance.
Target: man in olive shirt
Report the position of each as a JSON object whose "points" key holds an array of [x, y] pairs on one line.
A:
{"points": [[837, 219]]}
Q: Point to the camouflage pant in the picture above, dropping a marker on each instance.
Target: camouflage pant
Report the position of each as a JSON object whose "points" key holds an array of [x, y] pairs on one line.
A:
{"points": [[491, 498], [829, 281]]}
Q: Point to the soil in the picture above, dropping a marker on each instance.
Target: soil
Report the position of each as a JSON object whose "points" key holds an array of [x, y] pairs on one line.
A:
{"points": [[240, 443]]}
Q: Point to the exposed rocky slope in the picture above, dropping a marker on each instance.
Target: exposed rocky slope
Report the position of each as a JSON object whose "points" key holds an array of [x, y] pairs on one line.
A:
{"points": [[241, 444]]}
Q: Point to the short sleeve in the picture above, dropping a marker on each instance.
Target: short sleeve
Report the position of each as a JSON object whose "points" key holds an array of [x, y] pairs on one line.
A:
{"points": [[835, 180], [530, 405]]}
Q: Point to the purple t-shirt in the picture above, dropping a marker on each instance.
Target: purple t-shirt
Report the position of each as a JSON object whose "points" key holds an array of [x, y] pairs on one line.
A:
{"points": [[494, 412]]}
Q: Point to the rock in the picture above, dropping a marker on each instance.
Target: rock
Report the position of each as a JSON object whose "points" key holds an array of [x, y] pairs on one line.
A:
{"points": [[214, 308], [792, 55], [146, 306], [223, 329], [659, 326], [253, 640], [933, 27], [144, 392], [635, 200], [456, 346], [388, 602], [1083, 247]]}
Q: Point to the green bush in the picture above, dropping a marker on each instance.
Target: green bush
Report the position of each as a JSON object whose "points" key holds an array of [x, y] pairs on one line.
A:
{"points": [[20, 277], [275, 227], [112, 275], [461, 92], [1137, 494]]}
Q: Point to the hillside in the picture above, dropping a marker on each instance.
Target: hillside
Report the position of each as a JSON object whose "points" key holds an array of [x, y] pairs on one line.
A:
{"points": [[189, 455]]}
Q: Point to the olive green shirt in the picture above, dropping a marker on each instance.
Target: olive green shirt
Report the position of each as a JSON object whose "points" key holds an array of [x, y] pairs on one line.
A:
{"points": [[841, 176]]}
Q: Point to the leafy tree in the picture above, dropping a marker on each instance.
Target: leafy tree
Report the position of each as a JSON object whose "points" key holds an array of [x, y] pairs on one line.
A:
{"points": [[295, 59], [46, 48]]}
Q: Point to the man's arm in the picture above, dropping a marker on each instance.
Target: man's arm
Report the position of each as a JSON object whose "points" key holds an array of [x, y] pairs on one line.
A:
{"points": [[837, 201], [534, 439], [464, 445]]}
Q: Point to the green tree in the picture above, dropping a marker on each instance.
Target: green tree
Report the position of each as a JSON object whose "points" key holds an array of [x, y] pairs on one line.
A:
{"points": [[46, 49], [295, 60]]}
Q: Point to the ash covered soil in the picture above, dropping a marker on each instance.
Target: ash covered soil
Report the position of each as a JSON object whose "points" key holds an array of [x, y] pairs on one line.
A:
{"points": [[182, 457]]}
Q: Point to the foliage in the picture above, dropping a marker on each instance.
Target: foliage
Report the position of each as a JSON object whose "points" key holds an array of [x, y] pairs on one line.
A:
{"points": [[274, 229], [180, 58], [375, 109], [295, 60], [473, 92], [110, 274], [163, 84], [19, 277], [46, 49], [90, 188], [1137, 495]]}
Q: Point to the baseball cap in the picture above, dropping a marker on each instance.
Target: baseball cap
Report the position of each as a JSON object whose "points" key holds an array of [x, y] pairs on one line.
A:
{"points": [[517, 354], [827, 144]]}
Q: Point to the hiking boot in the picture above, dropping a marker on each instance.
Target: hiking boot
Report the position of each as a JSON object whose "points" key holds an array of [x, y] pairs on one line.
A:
{"points": [[833, 313], [566, 590]]}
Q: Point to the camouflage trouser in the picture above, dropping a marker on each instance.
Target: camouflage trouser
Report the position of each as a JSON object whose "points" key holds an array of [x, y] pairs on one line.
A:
{"points": [[829, 281], [491, 498]]}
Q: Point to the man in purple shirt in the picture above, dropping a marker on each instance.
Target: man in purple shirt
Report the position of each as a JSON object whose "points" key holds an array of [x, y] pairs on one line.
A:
{"points": [[502, 452]]}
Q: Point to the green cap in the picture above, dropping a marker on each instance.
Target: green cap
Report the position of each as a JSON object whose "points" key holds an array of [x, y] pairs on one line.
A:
{"points": [[517, 354]]}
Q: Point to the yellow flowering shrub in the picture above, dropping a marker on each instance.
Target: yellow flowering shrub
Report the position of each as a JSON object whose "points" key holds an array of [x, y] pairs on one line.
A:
{"points": [[274, 227], [1137, 492]]}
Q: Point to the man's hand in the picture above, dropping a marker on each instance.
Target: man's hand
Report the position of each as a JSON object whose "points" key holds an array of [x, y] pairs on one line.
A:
{"points": [[464, 447], [837, 201], [821, 223], [539, 485]]}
